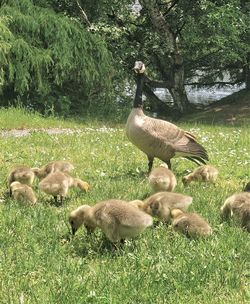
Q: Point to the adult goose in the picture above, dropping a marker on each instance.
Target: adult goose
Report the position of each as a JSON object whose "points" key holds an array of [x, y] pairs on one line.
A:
{"points": [[159, 138]]}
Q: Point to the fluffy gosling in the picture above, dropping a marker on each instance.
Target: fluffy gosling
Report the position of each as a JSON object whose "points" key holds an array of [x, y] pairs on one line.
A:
{"points": [[59, 165], [22, 174], [116, 218], [58, 184], [162, 179], [204, 173], [160, 204], [190, 224], [238, 206], [22, 192]]}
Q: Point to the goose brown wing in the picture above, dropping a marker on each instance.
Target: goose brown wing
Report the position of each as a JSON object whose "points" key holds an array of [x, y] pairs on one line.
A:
{"points": [[164, 131], [181, 141]]}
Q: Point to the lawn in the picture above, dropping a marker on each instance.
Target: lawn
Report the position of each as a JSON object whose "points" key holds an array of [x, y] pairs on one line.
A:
{"points": [[40, 264]]}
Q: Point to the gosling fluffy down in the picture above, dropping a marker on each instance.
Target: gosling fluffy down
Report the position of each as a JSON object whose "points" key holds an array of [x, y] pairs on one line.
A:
{"points": [[238, 206], [162, 179], [22, 174], [201, 174], [22, 192], [58, 184], [160, 204], [59, 165], [116, 218], [190, 224]]}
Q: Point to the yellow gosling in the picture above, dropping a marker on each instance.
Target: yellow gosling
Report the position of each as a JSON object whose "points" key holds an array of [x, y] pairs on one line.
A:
{"points": [[23, 192], [54, 166], [160, 204], [22, 174], [204, 173], [116, 218], [190, 224], [238, 206], [162, 179], [58, 184]]}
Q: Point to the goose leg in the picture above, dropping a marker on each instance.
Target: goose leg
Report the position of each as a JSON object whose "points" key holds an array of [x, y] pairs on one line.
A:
{"points": [[150, 164], [55, 197], [169, 164]]}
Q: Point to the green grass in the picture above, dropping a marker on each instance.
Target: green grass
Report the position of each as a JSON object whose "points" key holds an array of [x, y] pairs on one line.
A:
{"points": [[38, 264]]}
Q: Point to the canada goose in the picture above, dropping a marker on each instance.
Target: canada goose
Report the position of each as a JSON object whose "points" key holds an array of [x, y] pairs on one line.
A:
{"points": [[58, 184], [58, 165], [22, 174], [22, 192], [238, 206], [162, 179], [190, 224], [160, 204], [159, 138], [204, 173], [117, 219]]}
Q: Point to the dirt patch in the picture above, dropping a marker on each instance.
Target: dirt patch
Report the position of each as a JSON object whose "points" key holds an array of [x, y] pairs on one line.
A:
{"points": [[54, 131]]}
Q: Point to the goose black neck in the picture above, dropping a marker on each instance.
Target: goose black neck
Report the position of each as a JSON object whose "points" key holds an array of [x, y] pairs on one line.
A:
{"points": [[138, 94]]}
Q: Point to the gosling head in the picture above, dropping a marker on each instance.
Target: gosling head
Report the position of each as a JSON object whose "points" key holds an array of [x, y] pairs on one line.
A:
{"points": [[185, 180], [247, 187], [15, 185], [176, 212], [80, 217], [84, 186], [39, 173], [139, 67]]}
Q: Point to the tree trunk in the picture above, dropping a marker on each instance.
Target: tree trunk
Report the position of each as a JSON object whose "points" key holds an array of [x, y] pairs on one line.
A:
{"points": [[247, 72], [172, 57]]}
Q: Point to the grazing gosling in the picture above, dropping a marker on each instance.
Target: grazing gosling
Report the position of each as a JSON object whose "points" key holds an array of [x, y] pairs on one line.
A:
{"points": [[160, 204], [22, 174], [162, 179], [202, 174], [190, 224], [58, 184], [116, 218], [238, 206], [54, 166], [22, 192]]}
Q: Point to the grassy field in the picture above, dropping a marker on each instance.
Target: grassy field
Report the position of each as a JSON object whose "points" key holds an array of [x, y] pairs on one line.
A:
{"points": [[38, 263]]}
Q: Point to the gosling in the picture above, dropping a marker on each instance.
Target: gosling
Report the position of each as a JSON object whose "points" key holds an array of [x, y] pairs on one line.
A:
{"points": [[23, 192], [59, 165], [116, 218], [201, 174], [162, 179], [160, 204], [190, 224], [22, 174], [58, 184], [238, 206]]}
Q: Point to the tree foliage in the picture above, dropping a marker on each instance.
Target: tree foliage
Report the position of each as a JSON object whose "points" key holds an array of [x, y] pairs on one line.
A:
{"points": [[46, 56]]}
